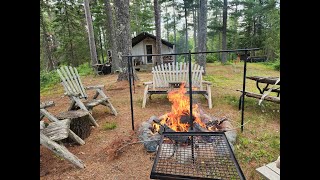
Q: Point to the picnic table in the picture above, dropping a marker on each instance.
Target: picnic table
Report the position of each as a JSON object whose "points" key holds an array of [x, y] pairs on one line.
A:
{"points": [[263, 80], [267, 81]]}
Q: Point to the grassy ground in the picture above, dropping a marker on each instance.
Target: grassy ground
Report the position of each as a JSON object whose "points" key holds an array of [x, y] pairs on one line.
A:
{"points": [[257, 145], [260, 142]]}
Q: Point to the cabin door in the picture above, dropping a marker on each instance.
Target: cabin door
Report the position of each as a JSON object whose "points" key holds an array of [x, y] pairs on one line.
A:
{"points": [[149, 51]]}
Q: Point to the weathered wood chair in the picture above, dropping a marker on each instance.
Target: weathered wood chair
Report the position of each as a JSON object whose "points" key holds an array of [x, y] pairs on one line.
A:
{"points": [[51, 118], [165, 76], [57, 131], [75, 91], [269, 171]]}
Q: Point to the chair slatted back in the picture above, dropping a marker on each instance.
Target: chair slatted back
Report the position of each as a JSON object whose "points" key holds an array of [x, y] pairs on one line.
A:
{"points": [[176, 72], [71, 81]]}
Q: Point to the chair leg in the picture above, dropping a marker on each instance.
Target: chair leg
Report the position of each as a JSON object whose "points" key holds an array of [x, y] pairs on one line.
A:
{"points": [[96, 95], [82, 106], [209, 97], [107, 102], [75, 137], [60, 151], [72, 105], [110, 106], [145, 93]]}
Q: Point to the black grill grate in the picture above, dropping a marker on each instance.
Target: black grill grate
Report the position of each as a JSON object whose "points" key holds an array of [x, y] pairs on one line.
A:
{"points": [[190, 155]]}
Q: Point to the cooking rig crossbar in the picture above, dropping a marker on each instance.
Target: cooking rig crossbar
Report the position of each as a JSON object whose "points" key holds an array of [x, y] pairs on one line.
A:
{"points": [[131, 79]]}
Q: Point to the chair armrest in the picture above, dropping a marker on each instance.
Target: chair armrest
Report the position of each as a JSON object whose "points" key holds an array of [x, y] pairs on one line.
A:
{"points": [[148, 83], [207, 82], [72, 94], [46, 104], [94, 87]]}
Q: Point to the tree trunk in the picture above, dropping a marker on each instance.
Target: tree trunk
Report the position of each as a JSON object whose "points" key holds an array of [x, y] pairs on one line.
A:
{"points": [[101, 46], [174, 30], [194, 15], [112, 37], [123, 35], [224, 31], [167, 23], [235, 41], [69, 35], [186, 21], [92, 45], [45, 42], [80, 123], [157, 19], [202, 33]]}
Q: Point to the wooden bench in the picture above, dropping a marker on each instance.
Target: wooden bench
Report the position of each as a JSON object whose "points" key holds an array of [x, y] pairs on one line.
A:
{"points": [[164, 76], [258, 96], [269, 171]]}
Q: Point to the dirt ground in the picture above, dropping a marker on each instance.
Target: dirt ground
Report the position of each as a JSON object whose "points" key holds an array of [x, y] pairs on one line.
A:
{"points": [[134, 162]]}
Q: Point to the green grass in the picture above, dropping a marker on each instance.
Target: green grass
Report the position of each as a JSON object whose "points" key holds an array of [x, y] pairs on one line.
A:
{"points": [[49, 79], [109, 126], [265, 148], [274, 65], [260, 141]]}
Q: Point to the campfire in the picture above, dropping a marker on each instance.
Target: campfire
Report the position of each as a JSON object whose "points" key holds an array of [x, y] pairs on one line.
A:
{"points": [[178, 120]]}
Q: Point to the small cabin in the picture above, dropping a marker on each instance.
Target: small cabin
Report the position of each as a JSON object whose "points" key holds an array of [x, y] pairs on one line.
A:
{"points": [[145, 43]]}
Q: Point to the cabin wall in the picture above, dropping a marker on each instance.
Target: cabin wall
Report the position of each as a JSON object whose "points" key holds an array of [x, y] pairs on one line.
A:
{"points": [[140, 48]]}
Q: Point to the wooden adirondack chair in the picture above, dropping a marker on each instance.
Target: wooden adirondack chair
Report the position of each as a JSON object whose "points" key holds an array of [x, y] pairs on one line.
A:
{"points": [[74, 89], [50, 137], [166, 75], [51, 118]]}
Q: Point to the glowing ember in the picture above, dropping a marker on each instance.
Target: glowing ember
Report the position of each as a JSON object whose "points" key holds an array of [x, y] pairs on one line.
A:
{"points": [[180, 108]]}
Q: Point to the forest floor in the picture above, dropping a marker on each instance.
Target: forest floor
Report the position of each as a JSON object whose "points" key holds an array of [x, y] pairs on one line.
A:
{"points": [[259, 143]]}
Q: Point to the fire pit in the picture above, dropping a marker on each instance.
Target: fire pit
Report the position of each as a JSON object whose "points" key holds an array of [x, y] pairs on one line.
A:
{"points": [[201, 156], [178, 120]]}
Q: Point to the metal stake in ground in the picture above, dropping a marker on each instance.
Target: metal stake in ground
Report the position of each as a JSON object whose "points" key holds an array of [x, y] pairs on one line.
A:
{"points": [[190, 90], [132, 75], [190, 95], [243, 87], [131, 104]]}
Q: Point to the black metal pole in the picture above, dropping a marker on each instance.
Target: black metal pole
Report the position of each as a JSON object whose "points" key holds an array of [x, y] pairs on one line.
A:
{"points": [[132, 75], [190, 90], [129, 74], [243, 88], [191, 116]]}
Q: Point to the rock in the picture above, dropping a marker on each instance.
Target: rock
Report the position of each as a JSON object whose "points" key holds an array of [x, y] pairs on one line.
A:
{"points": [[151, 140], [145, 125], [278, 162], [151, 146], [152, 118], [231, 136]]}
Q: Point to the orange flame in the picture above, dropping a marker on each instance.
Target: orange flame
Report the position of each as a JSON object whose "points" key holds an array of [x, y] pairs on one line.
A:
{"points": [[180, 107]]}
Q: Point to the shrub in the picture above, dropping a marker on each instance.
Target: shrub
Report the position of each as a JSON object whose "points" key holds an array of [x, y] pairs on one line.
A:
{"points": [[85, 69], [211, 58], [48, 79], [276, 65]]}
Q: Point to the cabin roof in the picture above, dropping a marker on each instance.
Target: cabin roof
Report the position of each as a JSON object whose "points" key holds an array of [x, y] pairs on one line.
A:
{"points": [[144, 35]]}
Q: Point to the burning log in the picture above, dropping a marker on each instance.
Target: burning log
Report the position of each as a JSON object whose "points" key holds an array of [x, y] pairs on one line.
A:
{"points": [[224, 125], [198, 128], [181, 139]]}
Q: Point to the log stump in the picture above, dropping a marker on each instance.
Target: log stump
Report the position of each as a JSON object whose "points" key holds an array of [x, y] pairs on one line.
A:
{"points": [[80, 123]]}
